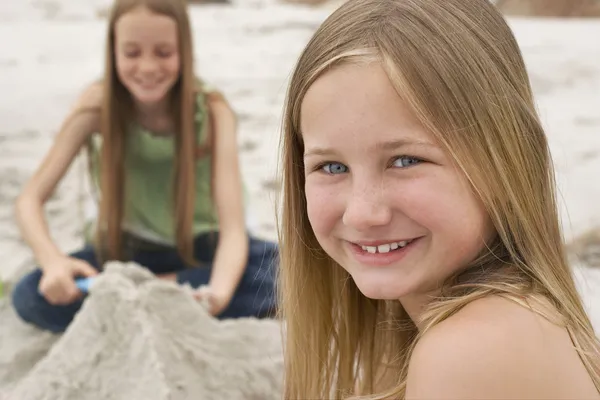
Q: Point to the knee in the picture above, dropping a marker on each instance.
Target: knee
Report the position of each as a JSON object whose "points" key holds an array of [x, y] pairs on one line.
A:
{"points": [[264, 252], [25, 297]]}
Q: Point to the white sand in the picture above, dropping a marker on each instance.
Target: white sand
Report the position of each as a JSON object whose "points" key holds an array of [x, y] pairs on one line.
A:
{"points": [[142, 338], [52, 48]]}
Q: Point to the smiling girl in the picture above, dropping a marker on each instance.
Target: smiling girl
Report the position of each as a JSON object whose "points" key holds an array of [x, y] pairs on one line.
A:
{"points": [[422, 255], [163, 154]]}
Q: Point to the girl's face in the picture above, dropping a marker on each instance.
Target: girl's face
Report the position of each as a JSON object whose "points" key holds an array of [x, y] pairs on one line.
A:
{"points": [[383, 198], [147, 54]]}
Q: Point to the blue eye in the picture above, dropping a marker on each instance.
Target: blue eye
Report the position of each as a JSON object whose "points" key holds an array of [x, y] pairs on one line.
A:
{"points": [[406, 161], [334, 168]]}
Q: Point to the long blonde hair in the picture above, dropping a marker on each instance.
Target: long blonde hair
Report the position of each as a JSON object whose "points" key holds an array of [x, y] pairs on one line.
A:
{"points": [[117, 112], [458, 66]]}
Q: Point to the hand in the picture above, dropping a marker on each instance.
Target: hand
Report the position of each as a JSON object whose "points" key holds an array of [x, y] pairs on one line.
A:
{"points": [[215, 303], [58, 279]]}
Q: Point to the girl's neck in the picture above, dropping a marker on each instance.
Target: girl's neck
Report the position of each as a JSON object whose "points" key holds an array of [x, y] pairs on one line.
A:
{"points": [[156, 117], [158, 109], [415, 304]]}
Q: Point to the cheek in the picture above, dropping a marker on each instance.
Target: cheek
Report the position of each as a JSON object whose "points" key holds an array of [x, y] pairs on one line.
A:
{"points": [[323, 207], [444, 205], [172, 65], [124, 66], [462, 217], [423, 199]]}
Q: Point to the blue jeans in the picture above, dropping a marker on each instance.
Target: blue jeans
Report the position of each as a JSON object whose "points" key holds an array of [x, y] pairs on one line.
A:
{"points": [[254, 297]]}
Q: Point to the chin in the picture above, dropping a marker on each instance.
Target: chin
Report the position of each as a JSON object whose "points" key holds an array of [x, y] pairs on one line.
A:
{"points": [[381, 287], [150, 97]]}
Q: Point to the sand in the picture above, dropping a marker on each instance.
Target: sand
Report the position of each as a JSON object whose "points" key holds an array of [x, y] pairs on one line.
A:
{"points": [[122, 343], [132, 351], [143, 338], [551, 8]]}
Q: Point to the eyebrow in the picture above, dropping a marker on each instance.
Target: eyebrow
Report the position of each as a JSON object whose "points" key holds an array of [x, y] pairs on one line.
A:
{"points": [[381, 146], [136, 44]]}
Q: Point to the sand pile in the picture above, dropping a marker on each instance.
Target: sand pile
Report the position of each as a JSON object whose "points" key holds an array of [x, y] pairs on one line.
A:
{"points": [[137, 337], [586, 248], [550, 8]]}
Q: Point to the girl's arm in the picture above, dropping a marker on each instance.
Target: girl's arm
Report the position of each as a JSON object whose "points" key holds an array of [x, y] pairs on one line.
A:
{"points": [[29, 207], [232, 250]]}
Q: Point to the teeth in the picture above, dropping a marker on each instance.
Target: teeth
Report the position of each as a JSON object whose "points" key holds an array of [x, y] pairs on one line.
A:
{"points": [[385, 248], [148, 83]]}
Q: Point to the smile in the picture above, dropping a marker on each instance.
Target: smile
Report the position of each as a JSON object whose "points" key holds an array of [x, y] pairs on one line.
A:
{"points": [[381, 253], [149, 84], [387, 247]]}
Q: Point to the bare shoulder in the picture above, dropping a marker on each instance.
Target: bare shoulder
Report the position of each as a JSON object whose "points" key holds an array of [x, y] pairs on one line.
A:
{"points": [[91, 96], [496, 348], [222, 114], [202, 86], [215, 100], [85, 115]]}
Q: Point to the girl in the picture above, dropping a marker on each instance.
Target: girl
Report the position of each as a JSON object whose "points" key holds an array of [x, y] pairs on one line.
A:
{"points": [[421, 249], [165, 160]]}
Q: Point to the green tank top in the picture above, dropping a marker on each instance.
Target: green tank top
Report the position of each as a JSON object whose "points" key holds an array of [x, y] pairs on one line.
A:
{"points": [[148, 182]]}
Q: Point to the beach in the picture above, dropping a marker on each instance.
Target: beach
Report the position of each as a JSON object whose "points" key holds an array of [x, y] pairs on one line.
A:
{"points": [[247, 49]]}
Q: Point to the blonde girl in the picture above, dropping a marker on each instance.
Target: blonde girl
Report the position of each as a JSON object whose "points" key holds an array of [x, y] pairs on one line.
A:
{"points": [[422, 255]]}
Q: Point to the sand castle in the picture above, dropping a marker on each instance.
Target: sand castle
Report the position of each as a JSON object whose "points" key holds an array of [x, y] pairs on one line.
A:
{"points": [[137, 337]]}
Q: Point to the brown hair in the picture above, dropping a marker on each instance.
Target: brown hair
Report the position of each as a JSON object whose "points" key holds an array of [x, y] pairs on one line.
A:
{"points": [[117, 110]]}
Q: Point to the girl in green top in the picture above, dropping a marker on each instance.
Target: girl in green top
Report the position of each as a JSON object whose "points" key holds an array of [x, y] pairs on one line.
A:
{"points": [[163, 153]]}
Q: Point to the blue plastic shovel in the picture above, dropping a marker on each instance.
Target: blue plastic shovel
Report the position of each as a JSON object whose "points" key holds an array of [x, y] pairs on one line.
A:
{"points": [[84, 284]]}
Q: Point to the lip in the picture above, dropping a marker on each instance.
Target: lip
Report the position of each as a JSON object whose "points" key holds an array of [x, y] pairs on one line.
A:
{"points": [[380, 259], [150, 86]]}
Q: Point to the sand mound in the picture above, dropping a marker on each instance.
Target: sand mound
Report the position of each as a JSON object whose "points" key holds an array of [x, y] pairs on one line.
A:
{"points": [[137, 337], [550, 8], [586, 248]]}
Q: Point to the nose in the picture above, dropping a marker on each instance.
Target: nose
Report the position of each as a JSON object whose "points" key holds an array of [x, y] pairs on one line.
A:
{"points": [[147, 64], [367, 208]]}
